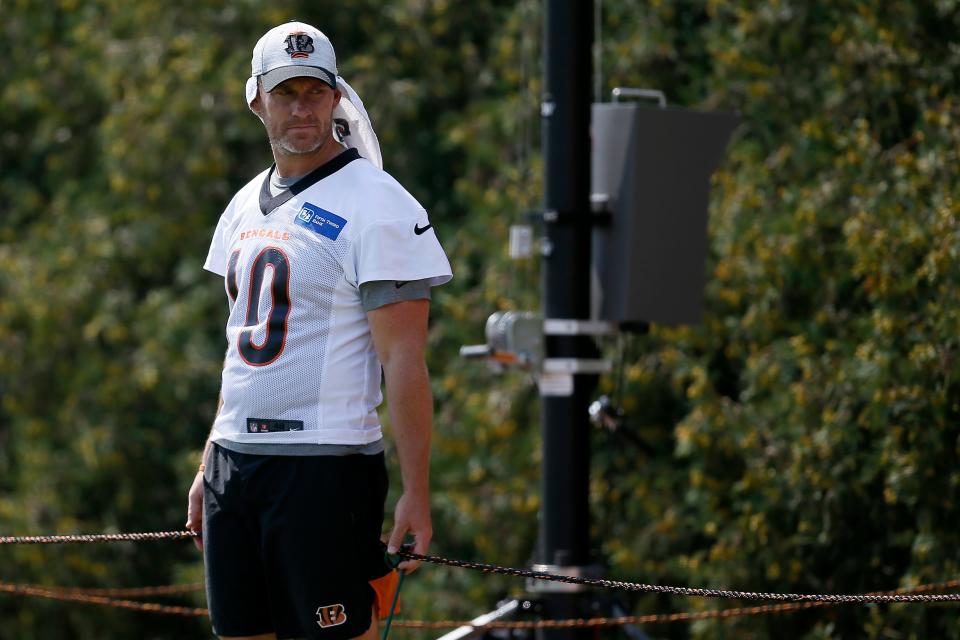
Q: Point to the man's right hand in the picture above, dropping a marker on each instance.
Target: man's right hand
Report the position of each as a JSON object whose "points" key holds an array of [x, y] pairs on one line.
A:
{"points": [[195, 509]]}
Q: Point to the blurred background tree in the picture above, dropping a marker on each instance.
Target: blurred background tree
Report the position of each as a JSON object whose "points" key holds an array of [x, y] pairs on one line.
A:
{"points": [[804, 438]]}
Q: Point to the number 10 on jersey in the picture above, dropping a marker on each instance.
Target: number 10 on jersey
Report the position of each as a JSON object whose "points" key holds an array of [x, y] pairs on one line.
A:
{"points": [[270, 348]]}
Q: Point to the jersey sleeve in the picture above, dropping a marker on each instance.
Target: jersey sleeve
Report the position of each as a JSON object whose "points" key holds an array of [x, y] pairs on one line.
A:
{"points": [[399, 250], [216, 261]]}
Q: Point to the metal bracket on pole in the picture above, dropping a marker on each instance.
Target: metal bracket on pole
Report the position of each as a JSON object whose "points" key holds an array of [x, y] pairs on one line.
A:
{"points": [[599, 216], [650, 94], [561, 327], [601, 204], [462, 633], [576, 365]]}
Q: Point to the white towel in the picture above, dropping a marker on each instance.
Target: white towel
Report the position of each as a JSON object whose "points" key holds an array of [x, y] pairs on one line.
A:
{"points": [[359, 133]]}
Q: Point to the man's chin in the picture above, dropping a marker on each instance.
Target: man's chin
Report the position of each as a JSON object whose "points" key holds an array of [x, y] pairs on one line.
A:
{"points": [[300, 149]]}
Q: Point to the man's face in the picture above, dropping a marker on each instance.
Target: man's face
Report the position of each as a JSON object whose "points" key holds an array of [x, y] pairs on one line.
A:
{"points": [[298, 114]]}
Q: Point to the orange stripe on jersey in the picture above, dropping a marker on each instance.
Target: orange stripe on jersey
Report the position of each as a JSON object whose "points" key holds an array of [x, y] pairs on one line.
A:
{"points": [[385, 587]]}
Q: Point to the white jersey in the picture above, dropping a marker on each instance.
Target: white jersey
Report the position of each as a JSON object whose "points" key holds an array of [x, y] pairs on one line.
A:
{"points": [[301, 365]]}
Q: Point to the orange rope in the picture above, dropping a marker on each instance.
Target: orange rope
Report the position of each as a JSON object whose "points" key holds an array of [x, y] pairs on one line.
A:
{"points": [[94, 596], [131, 592], [53, 594]]}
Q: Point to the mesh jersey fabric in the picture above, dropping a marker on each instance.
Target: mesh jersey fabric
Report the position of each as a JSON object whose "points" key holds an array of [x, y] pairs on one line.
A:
{"points": [[298, 344]]}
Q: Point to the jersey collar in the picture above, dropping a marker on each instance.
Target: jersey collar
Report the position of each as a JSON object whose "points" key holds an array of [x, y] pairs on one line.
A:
{"points": [[270, 202]]}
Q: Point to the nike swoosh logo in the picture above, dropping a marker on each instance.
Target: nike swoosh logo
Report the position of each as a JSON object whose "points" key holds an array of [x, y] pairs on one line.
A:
{"points": [[417, 230], [401, 283]]}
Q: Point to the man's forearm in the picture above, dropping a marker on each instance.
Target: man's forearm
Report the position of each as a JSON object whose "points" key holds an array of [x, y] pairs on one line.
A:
{"points": [[410, 405]]}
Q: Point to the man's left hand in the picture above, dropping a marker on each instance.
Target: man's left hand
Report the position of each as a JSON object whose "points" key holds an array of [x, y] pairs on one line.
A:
{"points": [[412, 516]]}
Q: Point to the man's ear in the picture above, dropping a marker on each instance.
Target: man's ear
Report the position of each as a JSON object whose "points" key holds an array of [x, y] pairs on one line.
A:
{"points": [[337, 94], [256, 106]]}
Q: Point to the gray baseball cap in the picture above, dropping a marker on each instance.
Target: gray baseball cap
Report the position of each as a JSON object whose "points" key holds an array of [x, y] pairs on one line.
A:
{"points": [[292, 50]]}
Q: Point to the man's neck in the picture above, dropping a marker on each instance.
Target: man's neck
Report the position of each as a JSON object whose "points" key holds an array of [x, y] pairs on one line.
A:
{"points": [[300, 165]]}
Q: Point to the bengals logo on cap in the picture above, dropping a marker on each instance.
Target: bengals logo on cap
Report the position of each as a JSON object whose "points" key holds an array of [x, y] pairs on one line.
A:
{"points": [[331, 615], [299, 45]]}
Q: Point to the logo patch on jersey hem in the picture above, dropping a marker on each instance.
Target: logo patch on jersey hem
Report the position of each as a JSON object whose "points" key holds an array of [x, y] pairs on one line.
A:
{"points": [[266, 425], [326, 223]]}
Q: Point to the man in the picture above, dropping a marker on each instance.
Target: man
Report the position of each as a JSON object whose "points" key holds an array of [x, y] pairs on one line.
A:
{"points": [[328, 264]]}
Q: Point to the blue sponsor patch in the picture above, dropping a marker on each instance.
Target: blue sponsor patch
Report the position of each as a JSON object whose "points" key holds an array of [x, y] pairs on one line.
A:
{"points": [[320, 220]]}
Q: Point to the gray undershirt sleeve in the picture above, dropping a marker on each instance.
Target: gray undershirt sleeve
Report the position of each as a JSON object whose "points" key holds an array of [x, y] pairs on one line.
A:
{"points": [[379, 293]]}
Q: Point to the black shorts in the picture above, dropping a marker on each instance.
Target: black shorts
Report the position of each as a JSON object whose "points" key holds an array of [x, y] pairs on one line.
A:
{"points": [[292, 542]]}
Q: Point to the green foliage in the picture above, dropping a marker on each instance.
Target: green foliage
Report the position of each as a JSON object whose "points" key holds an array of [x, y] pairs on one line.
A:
{"points": [[804, 438], [817, 440]]}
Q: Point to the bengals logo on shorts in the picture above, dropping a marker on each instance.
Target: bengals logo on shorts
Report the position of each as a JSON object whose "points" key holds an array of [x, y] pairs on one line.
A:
{"points": [[331, 615]]}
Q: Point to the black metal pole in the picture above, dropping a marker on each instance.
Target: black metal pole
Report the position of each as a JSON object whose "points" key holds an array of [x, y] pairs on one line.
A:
{"points": [[565, 110]]}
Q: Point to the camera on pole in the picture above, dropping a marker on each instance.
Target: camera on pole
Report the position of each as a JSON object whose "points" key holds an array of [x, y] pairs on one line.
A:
{"points": [[650, 182]]}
